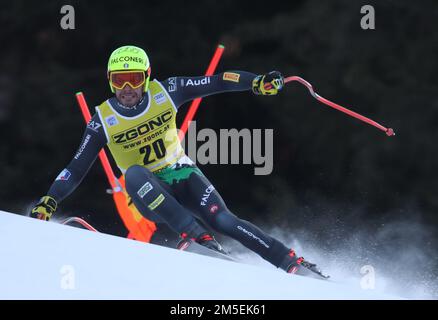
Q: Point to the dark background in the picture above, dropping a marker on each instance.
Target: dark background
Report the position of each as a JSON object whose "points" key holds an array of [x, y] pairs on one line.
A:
{"points": [[332, 174]]}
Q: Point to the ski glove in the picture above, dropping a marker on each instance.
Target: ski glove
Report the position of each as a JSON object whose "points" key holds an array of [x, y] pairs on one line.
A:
{"points": [[44, 209], [268, 84]]}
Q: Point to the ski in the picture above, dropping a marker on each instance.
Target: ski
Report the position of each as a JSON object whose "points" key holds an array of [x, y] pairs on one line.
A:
{"points": [[316, 271], [195, 247], [79, 221]]}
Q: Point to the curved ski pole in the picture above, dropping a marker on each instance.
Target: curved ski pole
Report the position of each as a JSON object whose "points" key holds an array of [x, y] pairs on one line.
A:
{"points": [[389, 132], [81, 221]]}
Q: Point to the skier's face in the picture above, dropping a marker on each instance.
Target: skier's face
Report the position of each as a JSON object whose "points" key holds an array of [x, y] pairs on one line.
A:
{"points": [[128, 96]]}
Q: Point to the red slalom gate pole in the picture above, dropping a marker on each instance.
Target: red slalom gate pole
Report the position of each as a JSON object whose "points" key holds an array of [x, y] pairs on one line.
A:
{"points": [[102, 155], [142, 229], [195, 104], [389, 132]]}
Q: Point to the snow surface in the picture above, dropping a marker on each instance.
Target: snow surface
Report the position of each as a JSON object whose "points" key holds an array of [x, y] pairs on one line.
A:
{"points": [[46, 260]]}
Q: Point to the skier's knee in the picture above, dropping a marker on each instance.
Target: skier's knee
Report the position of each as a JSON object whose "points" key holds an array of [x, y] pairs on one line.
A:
{"points": [[136, 171]]}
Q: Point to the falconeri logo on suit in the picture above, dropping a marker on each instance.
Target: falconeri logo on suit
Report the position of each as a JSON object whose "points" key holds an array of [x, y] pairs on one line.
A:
{"points": [[82, 147], [206, 195]]}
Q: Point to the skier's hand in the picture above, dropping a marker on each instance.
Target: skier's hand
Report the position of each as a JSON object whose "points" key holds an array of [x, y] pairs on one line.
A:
{"points": [[268, 84], [44, 209]]}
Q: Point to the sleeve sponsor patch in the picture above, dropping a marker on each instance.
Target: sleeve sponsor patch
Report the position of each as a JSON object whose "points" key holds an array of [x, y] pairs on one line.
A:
{"points": [[156, 202], [64, 175], [197, 82], [144, 190], [231, 76]]}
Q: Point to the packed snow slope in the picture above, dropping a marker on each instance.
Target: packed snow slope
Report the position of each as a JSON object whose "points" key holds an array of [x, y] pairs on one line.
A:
{"points": [[46, 260]]}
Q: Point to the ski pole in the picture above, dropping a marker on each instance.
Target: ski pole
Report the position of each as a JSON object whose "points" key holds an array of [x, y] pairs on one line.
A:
{"points": [[195, 104], [389, 132]]}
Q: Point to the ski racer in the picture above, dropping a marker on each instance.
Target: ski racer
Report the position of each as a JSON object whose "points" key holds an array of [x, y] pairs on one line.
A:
{"points": [[138, 125]]}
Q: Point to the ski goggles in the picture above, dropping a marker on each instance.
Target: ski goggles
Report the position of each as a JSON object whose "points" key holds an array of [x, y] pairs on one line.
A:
{"points": [[119, 79]]}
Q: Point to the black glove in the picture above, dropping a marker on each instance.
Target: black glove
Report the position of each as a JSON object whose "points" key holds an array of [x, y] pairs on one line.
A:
{"points": [[268, 84], [44, 209]]}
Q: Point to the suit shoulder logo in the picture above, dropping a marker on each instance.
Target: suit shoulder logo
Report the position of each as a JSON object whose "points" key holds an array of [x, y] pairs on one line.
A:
{"points": [[93, 125], [172, 85]]}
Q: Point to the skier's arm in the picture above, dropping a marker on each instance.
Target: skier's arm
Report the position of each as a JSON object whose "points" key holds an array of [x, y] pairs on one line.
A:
{"points": [[93, 141], [183, 89]]}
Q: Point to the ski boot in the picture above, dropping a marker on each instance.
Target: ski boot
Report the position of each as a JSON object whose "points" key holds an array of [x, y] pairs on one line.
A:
{"points": [[204, 239], [299, 266]]}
